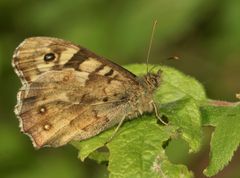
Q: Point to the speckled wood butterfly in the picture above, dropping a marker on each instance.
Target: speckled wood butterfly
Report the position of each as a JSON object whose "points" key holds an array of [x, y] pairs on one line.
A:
{"points": [[70, 93]]}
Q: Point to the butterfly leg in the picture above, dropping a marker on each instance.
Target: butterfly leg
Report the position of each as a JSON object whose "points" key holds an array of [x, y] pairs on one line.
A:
{"points": [[157, 114], [115, 131]]}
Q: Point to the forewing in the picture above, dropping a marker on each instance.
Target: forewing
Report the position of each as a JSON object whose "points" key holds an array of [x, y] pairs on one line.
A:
{"points": [[29, 59]]}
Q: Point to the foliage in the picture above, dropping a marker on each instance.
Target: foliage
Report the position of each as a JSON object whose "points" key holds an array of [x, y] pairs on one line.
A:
{"points": [[138, 148], [226, 137]]}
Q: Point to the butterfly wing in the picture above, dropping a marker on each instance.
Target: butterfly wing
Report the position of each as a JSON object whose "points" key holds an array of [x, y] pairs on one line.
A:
{"points": [[68, 92], [33, 57]]}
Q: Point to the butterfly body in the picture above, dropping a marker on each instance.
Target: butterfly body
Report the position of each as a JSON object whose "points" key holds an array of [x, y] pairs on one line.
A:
{"points": [[70, 93]]}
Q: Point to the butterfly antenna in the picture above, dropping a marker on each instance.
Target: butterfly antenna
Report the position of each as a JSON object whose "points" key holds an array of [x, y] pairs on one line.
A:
{"points": [[150, 42]]}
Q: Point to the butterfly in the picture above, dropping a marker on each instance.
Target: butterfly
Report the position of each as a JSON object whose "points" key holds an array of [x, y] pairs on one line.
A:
{"points": [[69, 93]]}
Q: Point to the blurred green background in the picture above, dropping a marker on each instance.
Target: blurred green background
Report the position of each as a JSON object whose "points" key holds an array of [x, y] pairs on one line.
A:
{"points": [[205, 34]]}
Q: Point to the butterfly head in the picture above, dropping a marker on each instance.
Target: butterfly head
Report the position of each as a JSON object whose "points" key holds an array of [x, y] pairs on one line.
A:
{"points": [[153, 79]]}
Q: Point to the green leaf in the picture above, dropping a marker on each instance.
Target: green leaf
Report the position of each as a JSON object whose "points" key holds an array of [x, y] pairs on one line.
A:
{"points": [[99, 156], [88, 146], [226, 137], [179, 98], [185, 114], [213, 111], [175, 85], [137, 151]]}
